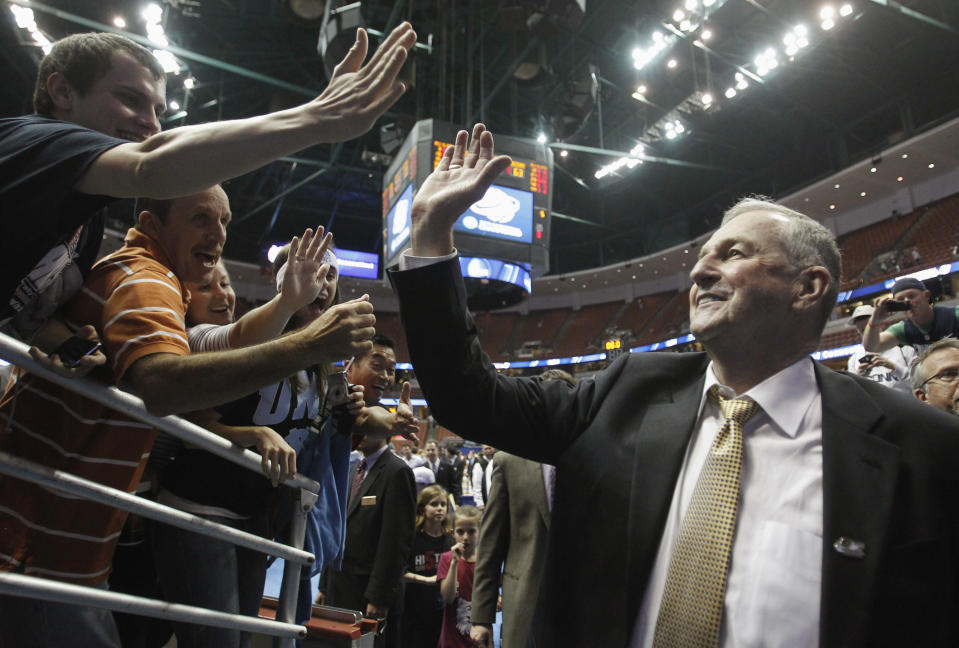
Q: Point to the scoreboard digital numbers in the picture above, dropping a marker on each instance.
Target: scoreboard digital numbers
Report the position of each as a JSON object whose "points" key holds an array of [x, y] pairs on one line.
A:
{"points": [[509, 225], [534, 177]]}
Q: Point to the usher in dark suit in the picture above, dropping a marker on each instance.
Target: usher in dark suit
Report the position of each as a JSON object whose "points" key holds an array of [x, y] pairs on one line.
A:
{"points": [[890, 479], [379, 537]]}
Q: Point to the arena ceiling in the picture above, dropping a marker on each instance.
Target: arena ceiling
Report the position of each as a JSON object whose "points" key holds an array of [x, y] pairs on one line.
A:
{"points": [[790, 101]]}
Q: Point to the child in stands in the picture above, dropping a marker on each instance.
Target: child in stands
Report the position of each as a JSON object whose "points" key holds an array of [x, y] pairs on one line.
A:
{"points": [[423, 609], [455, 573]]}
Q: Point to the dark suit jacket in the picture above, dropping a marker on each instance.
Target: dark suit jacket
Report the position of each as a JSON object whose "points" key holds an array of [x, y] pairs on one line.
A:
{"points": [[379, 536], [444, 474], [890, 479], [513, 537]]}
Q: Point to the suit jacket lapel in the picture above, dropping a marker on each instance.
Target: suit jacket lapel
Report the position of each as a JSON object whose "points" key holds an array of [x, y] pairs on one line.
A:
{"points": [[660, 446], [859, 483]]}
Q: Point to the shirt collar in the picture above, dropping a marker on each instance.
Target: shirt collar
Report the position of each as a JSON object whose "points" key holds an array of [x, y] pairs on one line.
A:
{"points": [[784, 397], [371, 459]]}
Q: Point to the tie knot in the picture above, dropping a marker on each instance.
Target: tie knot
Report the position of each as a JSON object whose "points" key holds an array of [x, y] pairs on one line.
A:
{"points": [[736, 409]]}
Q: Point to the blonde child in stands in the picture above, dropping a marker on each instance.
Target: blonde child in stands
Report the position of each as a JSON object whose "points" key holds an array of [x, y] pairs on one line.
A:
{"points": [[423, 607], [455, 573]]}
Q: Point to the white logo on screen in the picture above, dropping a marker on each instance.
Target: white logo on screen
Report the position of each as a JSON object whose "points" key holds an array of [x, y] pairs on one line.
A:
{"points": [[497, 206]]}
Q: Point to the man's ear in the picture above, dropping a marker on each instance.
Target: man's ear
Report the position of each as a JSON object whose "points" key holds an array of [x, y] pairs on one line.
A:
{"points": [[149, 223], [921, 395], [810, 287], [61, 93]]}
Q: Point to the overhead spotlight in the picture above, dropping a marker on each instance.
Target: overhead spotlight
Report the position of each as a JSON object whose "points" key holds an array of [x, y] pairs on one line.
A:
{"points": [[678, 15], [189, 83], [641, 89], [119, 22], [845, 10], [709, 3], [657, 37], [707, 99], [741, 82], [872, 170], [541, 138], [835, 186], [706, 34], [685, 25], [904, 156], [862, 193], [899, 179], [691, 5], [832, 206], [563, 153], [827, 25], [827, 12], [730, 93], [671, 64], [932, 165]]}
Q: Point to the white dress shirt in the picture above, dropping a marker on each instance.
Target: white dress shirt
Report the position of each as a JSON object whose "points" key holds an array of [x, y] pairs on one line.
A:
{"points": [[773, 588]]}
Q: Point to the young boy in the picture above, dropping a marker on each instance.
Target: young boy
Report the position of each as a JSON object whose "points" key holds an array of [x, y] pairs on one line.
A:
{"points": [[455, 573]]}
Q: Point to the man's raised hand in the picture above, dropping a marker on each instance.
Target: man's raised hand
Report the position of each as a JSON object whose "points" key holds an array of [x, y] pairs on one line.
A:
{"points": [[460, 179], [358, 94]]}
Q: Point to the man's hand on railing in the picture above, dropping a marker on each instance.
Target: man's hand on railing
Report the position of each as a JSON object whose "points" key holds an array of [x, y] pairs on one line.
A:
{"points": [[84, 365]]}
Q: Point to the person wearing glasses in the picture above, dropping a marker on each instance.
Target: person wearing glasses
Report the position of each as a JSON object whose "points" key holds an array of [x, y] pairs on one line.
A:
{"points": [[935, 375]]}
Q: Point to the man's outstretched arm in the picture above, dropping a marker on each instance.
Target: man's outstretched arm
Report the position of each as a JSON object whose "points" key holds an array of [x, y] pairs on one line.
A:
{"points": [[186, 160]]}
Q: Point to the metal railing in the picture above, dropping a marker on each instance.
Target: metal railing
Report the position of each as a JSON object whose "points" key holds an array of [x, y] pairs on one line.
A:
{"points": [[306, 489]]}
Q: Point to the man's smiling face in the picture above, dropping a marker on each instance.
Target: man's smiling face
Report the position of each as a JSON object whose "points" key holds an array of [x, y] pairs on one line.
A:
{"points": [[375, 371], [742, 282], [193, 234]]}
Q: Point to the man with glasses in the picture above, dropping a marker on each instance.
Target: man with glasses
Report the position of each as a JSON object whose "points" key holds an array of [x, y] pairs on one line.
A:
{"points": [[935, 375]]}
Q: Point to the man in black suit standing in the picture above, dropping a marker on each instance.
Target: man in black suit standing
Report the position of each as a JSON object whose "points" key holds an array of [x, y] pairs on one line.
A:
{"points": [[746, 496], [380, 513]]}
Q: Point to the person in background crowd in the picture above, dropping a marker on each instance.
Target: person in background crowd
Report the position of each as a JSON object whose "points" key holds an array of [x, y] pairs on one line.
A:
{"points": [[512, 542], [380, 513], [889, 368], [455, 574], [482, 473], [924, 323], [423, 609], [935, 375]]}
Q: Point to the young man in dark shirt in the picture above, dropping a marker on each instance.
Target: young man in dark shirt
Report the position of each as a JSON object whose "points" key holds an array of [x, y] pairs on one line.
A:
{"points": [[95, 138]]}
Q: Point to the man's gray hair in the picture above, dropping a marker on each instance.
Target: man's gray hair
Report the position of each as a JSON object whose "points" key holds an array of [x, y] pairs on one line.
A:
{"points": [[804, 241], [918, 376]]}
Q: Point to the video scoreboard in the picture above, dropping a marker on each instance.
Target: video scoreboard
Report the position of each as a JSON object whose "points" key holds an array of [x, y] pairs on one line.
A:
{"points": [[511, 223]]}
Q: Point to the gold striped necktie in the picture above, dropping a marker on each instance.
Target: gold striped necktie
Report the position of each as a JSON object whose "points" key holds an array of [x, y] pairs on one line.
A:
{"points": [[692, 608]]}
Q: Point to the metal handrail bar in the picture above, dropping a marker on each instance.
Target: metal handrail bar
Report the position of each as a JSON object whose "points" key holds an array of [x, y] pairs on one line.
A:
{"points": [[50, 590], [74, 485], [14, 351]]}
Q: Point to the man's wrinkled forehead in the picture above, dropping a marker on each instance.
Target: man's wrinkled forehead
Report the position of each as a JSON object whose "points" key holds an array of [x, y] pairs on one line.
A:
{"points": [[750, 228]]}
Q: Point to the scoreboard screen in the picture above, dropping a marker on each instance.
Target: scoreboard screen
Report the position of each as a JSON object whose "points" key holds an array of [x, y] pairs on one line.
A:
{"points": [[511, 223], [501, 213]]}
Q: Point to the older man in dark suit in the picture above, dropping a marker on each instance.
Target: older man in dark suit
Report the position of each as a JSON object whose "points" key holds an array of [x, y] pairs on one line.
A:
{"points": [[745, 496]]}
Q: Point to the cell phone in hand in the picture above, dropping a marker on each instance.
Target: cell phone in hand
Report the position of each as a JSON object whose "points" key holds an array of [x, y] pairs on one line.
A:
{"points": [[75, 349], [895, 305]]}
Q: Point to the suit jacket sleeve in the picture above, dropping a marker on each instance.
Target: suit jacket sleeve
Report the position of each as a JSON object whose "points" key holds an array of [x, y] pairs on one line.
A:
{"points": [[492, 548], [396, 536], [524, 416]]}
